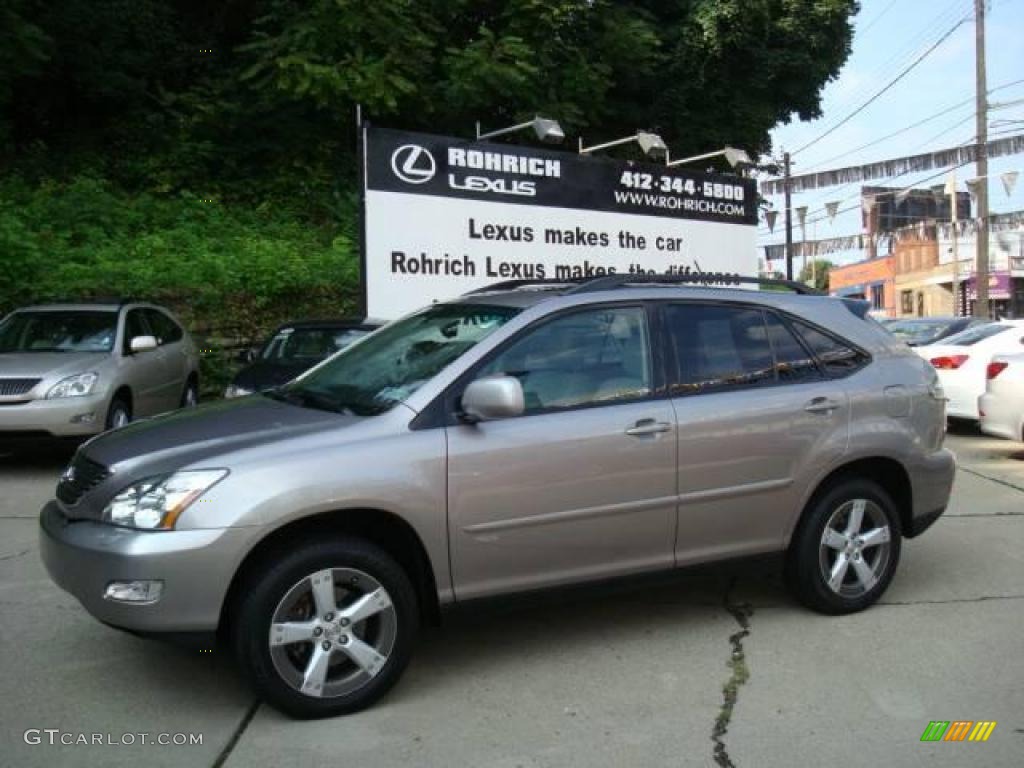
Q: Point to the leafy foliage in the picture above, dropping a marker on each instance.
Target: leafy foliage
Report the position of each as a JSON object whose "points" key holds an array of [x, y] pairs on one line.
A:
{"points": [[815, 273], [120, 119]]}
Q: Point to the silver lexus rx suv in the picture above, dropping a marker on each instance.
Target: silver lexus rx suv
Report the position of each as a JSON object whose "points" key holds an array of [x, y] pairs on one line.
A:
{"points": [[73, 370], [523, 436]]}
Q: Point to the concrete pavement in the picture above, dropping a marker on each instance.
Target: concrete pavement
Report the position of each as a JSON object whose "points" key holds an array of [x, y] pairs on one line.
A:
{"points": [[633, 675]]}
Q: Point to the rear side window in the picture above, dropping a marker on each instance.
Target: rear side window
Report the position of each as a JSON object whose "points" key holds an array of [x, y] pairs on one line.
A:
{"points": [[793, 363], [719, 347], [837, 357]]}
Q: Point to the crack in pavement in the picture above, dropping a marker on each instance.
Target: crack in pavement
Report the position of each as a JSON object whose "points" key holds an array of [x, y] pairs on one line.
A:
{"points": [[15, 555], [739, 674], [225, 753], [953, 600], [1007, 483]]}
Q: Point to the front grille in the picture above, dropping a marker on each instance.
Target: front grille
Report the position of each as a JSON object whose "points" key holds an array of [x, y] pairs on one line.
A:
{"points": [[13, 387], [81, 477]]}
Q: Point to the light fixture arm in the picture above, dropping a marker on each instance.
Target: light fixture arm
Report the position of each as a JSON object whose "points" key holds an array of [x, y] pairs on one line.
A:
{"points": [[695, 158], [606, 145], [501, 131]]}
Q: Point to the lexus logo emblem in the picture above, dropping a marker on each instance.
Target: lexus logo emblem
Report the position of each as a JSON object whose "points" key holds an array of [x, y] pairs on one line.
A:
{"points": [[413, 164]]}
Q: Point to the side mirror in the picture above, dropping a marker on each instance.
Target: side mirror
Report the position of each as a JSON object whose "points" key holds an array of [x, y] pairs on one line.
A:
{"points": [[246, 355], [142, 343], [493, 397]]}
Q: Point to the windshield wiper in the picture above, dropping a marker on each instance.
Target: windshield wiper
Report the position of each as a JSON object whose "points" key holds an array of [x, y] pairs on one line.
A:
{"points": [[305, 398]]}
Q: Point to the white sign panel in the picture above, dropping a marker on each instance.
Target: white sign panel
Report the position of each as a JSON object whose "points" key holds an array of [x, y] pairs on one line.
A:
{"points": [[445, 216]]}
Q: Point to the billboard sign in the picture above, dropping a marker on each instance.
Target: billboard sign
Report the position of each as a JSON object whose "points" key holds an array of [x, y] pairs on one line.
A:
{"points": [[443, 216]]}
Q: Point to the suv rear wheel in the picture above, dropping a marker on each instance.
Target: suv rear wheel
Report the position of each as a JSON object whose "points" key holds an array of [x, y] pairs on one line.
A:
{"points": [[327, 628], [846, 549]]}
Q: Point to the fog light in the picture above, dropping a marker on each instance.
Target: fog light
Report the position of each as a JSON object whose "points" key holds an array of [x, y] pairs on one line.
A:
{"points": [[83, 418], [143, 591]]}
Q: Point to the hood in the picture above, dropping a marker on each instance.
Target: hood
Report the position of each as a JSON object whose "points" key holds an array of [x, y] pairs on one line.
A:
{"points": [[264, 374], [47, 364], [169, 441]]}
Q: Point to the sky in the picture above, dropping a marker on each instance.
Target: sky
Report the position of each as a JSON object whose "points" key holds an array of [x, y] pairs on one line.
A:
{"points": [[889, 36]]}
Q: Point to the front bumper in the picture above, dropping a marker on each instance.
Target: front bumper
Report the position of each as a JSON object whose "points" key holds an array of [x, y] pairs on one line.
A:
{"points": [[60, 417], [931, 481], [196, 567]]}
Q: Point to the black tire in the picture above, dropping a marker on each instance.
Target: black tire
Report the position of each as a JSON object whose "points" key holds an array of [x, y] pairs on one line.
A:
{"points": [[809, 557], [118, 406], [191, 388], [277, 578]]}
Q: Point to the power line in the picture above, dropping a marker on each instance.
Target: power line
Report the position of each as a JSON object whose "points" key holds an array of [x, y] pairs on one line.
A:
{"points": [[884, 89], [904, 55], [923, 121], [875, 20]]}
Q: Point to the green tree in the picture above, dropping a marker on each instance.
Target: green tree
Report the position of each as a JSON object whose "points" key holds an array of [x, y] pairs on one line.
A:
{"points": [[815, 273]]}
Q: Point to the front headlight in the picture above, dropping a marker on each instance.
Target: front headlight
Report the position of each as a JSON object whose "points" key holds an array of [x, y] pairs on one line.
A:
{"points": [[156, 503], [234, 390], [74, 386]]}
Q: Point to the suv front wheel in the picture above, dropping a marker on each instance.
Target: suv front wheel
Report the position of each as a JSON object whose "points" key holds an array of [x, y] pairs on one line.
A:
{"points": [[326, 629], [846, 549]]}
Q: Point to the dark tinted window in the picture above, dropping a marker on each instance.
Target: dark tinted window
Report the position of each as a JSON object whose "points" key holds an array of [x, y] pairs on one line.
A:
{"points": [[589, 357], [793, 362], [719, 347], [837, 357], [134, 325], [165, 329], [309, 344]]}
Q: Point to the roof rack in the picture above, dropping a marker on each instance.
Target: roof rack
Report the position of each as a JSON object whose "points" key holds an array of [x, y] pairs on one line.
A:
{"points": [[511, 285], [705, 279], [609, 282]]}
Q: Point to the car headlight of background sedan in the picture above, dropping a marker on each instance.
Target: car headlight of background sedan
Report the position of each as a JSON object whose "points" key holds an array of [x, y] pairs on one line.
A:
{"points": [[156, 503], [234, 390], [74, 386]]}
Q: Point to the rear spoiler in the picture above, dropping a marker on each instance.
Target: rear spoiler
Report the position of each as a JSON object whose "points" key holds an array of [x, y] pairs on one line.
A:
{"points": [[859, 307]]}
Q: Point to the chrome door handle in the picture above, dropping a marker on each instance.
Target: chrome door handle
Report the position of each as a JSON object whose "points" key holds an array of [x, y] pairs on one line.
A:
{"points": [[821, 405], [648, 427]]}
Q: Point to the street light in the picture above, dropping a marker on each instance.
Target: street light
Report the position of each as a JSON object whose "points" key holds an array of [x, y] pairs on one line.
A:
{"points": [[736, 158], [651, 144], [547, 130]]}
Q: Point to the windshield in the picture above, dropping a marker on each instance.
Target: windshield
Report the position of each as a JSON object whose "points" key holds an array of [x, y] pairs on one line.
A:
{"points": [[298, 345], [371, 377], [917, 331], [59, 331], [976, 334]]}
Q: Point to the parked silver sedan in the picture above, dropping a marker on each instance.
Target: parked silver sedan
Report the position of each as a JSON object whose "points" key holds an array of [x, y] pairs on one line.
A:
{"points": [[69, 370], [1002, 405]]}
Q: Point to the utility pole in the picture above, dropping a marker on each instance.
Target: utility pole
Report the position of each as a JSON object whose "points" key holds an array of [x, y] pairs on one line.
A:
{"points": [[981, 121], [788, 191], [953, 216]]}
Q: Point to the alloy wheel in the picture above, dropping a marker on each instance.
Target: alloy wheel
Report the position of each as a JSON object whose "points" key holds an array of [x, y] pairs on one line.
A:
{"points": [[855, 548], [332, 632]]}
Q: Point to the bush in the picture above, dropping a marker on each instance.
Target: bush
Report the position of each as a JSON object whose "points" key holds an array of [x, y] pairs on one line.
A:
{"points": [[228, 270]]}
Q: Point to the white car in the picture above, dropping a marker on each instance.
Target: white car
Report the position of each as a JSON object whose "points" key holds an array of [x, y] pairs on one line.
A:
{"points": [[1002, 405], [962, 361]]}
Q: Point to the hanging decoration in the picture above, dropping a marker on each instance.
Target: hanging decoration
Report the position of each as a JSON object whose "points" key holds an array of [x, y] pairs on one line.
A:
{"points": [[832, 209], [928, 161], [1009, 180], [972, 187], [770, 218]]}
